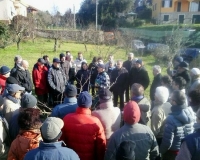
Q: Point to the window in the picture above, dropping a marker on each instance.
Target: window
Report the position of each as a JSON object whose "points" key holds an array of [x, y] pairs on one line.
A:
{"points": [[167, 3], [179, 7], [194, 7], [181, 19], [155, 6], [166, 18]]}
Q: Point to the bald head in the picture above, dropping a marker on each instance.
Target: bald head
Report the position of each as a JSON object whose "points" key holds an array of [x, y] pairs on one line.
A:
{"points": [[25, 64]]}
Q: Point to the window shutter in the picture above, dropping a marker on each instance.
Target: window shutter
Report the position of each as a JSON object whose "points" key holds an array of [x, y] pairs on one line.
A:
{"points": [[170, 3]]}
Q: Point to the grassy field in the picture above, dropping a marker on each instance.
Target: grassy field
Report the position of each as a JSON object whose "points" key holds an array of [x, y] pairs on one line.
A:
{"points": [[32, 51]]}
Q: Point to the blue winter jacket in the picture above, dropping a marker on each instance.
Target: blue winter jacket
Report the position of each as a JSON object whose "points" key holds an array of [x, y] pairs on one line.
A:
{"points": [[61, 110], [51, 151], [178, 125]]}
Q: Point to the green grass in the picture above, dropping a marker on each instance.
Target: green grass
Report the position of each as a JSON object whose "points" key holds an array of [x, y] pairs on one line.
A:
{"points": [[32, 51]]}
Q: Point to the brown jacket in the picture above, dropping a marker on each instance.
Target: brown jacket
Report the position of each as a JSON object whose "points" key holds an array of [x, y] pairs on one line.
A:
{"points": [[65, 66], [25, 141]]}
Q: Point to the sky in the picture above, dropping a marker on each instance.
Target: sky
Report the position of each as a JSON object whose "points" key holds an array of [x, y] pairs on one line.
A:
{"points": [[62, 5]]}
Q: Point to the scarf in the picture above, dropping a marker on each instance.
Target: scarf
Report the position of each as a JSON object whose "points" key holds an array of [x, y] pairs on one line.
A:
{"points": [[11, 98]]}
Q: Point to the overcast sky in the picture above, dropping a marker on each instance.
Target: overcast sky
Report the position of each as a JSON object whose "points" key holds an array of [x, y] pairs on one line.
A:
{"points": [[62, 5]]}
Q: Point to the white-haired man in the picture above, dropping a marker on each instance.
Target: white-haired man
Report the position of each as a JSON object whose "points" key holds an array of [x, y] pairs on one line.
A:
{"points": [[156, 81]]}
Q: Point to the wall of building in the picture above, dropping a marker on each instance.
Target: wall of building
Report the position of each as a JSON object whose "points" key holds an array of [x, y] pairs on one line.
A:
{"points": [[7, 10]]}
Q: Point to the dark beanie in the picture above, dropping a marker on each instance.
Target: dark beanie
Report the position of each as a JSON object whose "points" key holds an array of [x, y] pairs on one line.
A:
{"points": [[70, 90], [139, 61], [28, 101], [126, 151], [11, 80], [4, 70], [84, 100], [1, 100], [62, 55]]}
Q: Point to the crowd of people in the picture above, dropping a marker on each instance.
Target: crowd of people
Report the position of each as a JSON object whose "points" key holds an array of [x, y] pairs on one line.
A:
{"points": [[124, 125]]}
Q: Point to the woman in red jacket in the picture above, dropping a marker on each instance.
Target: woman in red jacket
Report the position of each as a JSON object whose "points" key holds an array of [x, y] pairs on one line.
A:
{"points": [[40, 82]]}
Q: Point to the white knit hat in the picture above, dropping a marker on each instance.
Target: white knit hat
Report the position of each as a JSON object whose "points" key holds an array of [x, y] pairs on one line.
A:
{"points": [[162, 94], [195, 71]]}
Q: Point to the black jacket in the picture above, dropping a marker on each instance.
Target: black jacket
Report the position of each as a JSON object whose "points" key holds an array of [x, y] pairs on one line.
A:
{"points": [[139, 76], [156, 83], [119, 80], [186, 75], [57, 79], [83, 79], [128, 65], [24, 79], [94, 72], [65, 66]]}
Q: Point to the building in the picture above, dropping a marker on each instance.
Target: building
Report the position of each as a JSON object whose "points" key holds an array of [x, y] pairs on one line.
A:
{"points": [[176, 11], [11, 8]]}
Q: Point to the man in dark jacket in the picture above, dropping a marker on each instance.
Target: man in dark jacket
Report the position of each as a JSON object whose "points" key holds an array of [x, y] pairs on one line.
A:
{"points": [[183, 71], [119, 82], [57, 81], [17, 60], [22, 75], [128, 65], [94, 72], [64, 65], [139, 75], [156, 81]]}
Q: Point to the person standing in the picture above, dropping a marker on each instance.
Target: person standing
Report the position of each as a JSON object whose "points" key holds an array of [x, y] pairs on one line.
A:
{"points": [[110, 59], [69, 105], [94, 72], [50, 148], [111, 122], [102, 80], [146, 145], [177, 126], [64, 65], [128, 65], [57, 81], [183, 71], [137, 95], [156, 81], [119, 82], [190, 149], [79, 61], [72, 70], [4, 74], [83, 78], [47, 62], [83, 132], [195, 79], [17, 60], [139, 75], [40, 81], [22, 75]]}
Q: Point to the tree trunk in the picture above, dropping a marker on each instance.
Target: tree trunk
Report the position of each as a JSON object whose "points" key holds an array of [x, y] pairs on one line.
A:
{"points": [[55, 44], [18, 45]]}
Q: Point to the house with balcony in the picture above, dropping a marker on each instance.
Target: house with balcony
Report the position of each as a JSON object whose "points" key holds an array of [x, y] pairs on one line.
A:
{"points": [[176, 11]]}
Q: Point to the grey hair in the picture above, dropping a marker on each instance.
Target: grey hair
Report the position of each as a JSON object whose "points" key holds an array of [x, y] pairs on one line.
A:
{"points": [[157, 68], [120, 61], [17, 58]]}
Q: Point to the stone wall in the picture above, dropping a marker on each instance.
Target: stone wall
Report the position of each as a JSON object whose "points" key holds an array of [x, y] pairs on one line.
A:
{"points": [[80, 36]]}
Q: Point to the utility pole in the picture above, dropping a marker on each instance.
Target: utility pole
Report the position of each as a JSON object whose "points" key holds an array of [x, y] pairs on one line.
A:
{"points": [[96, 15], [74, 17]]}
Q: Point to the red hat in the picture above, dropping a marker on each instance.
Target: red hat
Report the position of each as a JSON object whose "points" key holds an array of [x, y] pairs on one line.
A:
{"points": [[131, 113]]}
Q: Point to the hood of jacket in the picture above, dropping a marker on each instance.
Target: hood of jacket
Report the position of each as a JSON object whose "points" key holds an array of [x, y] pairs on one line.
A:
{"points": [[70, 100], [131, 113], [106, 105], [182, 113], [28, 140]]}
